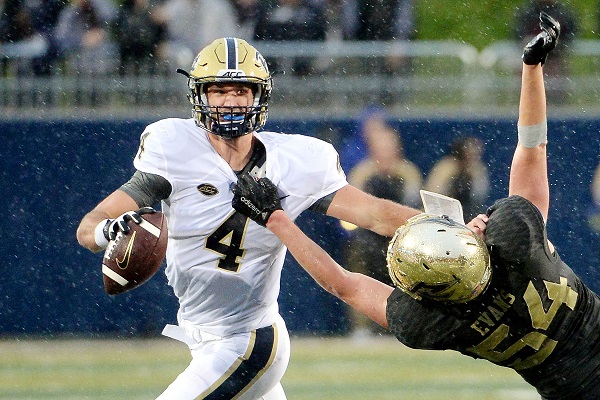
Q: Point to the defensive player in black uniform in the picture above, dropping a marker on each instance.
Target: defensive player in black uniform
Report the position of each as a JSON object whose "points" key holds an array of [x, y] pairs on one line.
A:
{"points": [[496, 291]]}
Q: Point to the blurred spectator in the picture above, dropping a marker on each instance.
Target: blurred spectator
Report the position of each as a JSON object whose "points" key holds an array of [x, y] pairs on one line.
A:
{"points": [[193, 24], [246, 13], [45, 13], [527, 26], [463, 175], [380, 20], [139, 37], [595, 212], [384, 173], [17, 36], [83, 36], [334, 19], [44, 16], [15, 22], [285, 20]]}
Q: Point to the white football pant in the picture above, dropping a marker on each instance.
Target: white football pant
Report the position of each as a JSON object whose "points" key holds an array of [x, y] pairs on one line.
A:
{"points": [[245, 366]]}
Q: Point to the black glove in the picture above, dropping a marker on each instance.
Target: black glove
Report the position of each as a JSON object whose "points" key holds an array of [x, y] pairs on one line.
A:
{"points": [[538, 48], [256, 199], [113, 226]]}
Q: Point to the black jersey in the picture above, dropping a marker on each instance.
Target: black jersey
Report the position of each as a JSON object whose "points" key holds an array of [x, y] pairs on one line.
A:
{"points": [[536, 316]]}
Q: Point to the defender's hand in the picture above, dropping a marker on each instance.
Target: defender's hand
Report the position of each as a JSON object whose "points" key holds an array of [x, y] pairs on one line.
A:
{"points": [[256, 199], [478, 225], [113, 226], [537, 49]]}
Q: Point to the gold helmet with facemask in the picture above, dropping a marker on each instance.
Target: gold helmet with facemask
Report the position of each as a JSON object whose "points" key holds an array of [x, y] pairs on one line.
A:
{"points": [[439, 259], [229, 60]]}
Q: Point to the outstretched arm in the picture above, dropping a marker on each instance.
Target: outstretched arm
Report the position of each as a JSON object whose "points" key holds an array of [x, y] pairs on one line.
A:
{"points": [[369, 212], [365, 294], [260, 201], [529, 172]]}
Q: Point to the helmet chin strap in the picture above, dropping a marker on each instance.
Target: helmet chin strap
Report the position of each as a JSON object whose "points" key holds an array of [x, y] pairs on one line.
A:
{"points": [[232, 130], [227, 131]]}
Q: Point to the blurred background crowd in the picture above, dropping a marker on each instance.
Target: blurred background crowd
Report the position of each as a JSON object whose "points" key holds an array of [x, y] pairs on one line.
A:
{"points": [[96, 37]]}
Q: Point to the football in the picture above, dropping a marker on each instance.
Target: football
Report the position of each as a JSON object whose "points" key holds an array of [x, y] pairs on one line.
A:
{"points": [[134, 257]]}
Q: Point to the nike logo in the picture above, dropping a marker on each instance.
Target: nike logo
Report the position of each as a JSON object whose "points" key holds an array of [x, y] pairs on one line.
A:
{"points": [[125, 261]]}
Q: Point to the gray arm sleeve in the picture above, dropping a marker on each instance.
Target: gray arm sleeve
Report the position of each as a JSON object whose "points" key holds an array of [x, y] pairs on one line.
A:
{"points": [[147, 189]]}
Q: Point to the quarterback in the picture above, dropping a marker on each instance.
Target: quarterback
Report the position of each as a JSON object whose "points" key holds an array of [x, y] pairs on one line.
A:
{"points": [[223, 267], [496, 289]]}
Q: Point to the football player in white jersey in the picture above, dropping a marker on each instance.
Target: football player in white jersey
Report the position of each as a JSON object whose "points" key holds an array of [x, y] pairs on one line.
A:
{"points": [[223, 267]]}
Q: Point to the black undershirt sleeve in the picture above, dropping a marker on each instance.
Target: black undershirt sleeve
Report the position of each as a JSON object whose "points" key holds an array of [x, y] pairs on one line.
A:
{"points": [[147, 189], [322, 205]]}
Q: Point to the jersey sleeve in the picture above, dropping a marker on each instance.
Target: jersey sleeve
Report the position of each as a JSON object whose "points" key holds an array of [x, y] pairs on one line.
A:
{"points": [[419, 325], [150, 156], [308, 169], [334, 177], [515, 230]]}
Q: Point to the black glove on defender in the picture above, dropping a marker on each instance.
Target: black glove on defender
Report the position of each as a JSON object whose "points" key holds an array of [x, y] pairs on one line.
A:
{"points": [[537, 49]]}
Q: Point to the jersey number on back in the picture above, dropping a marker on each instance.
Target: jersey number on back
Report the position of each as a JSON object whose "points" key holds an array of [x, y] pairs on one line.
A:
{"points": [[227, 240], [560, 294]]}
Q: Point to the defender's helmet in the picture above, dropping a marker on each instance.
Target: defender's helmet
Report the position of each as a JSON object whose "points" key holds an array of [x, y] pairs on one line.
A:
{"points": [[439, 259], [229, 60]]}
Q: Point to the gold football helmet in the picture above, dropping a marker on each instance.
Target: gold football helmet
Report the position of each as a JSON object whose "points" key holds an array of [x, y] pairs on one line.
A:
{"points": [[229, 60], [439, 259]]}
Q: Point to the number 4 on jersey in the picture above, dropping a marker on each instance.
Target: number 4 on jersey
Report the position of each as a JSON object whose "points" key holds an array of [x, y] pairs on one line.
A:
{"points": [[227, 240]]}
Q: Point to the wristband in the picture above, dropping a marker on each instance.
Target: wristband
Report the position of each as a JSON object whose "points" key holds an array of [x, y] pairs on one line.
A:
{"points": [[533, 135], [99, 237]]}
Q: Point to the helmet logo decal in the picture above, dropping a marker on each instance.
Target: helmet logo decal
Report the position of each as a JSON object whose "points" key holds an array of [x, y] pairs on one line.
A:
{"points": [[261, 61], [231, 74], [196, 60]]}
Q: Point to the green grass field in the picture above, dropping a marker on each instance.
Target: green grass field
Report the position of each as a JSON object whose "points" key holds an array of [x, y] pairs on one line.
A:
{"points": [[332, 369]]}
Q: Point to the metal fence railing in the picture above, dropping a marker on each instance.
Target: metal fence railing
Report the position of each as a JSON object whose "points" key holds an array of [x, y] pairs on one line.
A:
{"points": [[344, 77]]}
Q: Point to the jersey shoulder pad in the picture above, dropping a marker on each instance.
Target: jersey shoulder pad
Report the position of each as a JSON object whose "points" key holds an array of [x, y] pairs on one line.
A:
{"points": [[164, 141], [515, 227], [306, 166], [307, 148], [170, 127]]}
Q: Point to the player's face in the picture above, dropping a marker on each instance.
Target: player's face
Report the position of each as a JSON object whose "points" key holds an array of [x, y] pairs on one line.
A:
{"points": [[230, 95], [229, 102]]}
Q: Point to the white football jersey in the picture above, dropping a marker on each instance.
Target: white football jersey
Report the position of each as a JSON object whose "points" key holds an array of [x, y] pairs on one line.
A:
{"points": [[224, 268]]}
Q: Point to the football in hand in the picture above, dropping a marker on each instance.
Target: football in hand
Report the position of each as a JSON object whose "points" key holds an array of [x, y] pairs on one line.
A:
{"points": [[134, 257]]}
